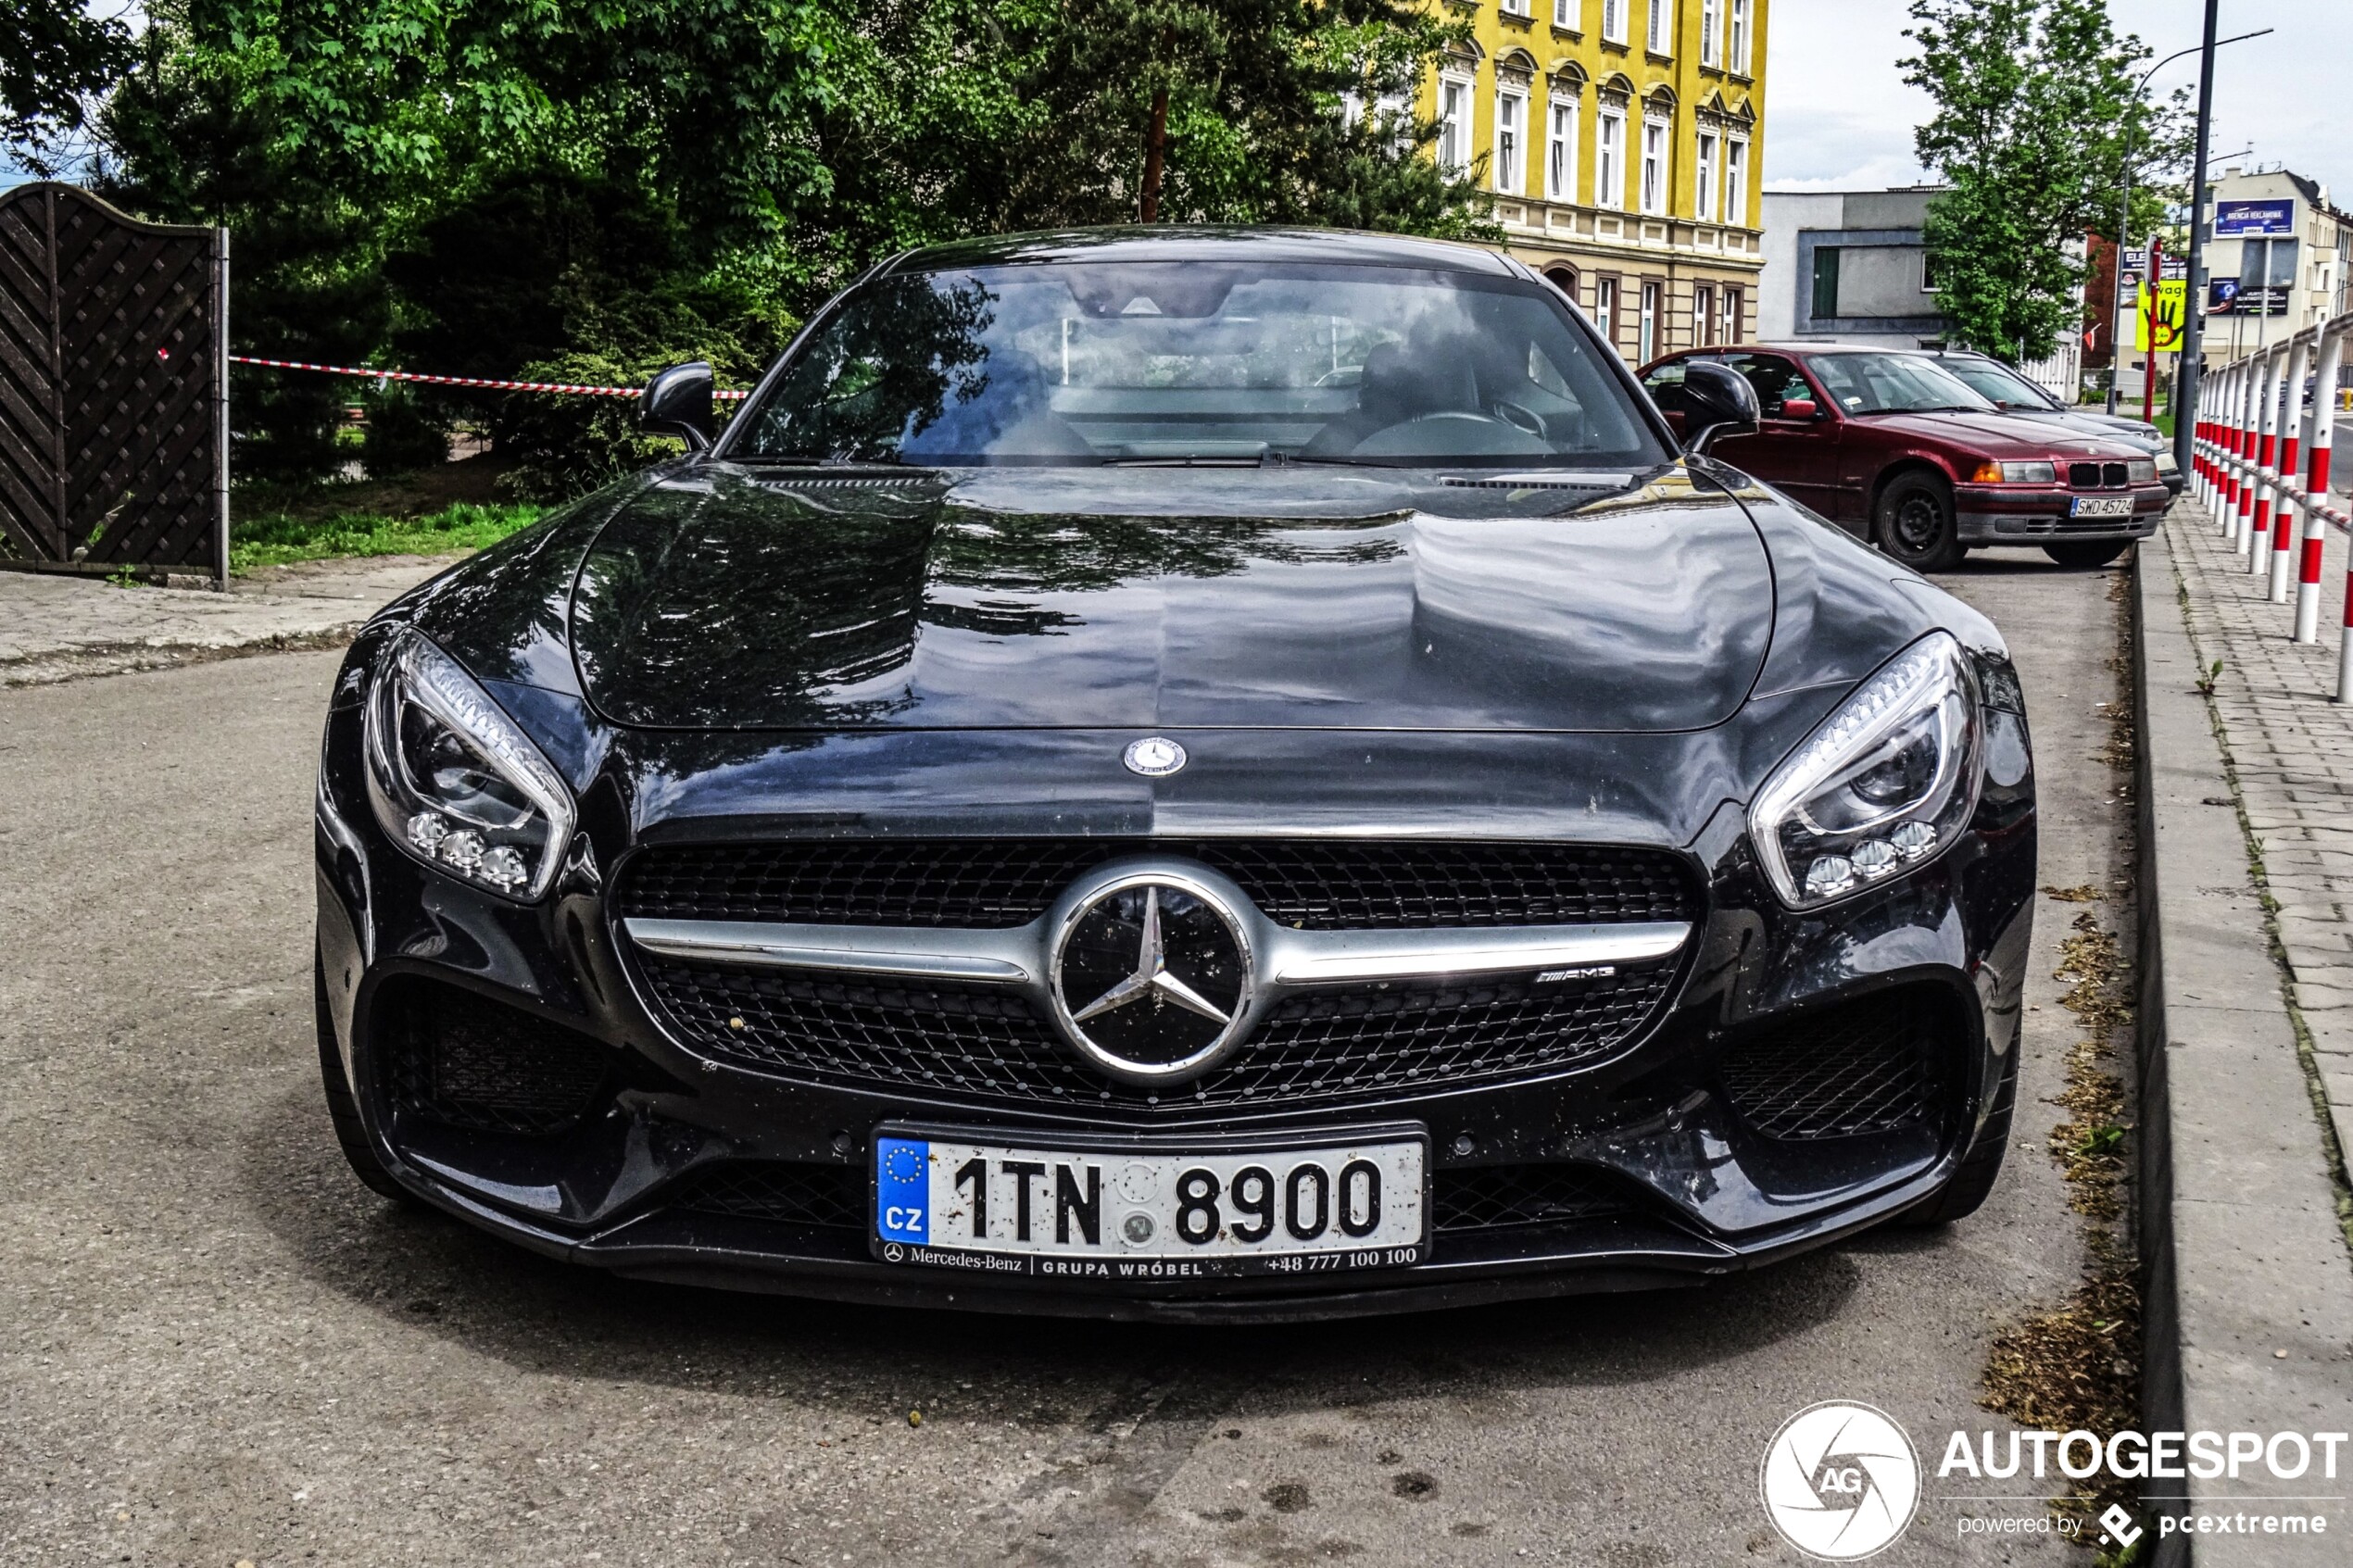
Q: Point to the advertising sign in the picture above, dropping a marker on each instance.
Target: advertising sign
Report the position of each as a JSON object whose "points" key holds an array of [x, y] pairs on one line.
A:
{"points": [[2257, 218], [2157, 324], [2221, 296]]}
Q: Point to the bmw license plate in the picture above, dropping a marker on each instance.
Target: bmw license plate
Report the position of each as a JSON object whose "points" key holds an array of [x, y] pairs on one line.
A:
{"points": [[2101, 506], [1107, 1210]]}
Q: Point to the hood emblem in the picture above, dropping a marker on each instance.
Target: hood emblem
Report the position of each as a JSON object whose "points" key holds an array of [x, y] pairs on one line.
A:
{"points": [[1155, 757], [1151, 975]]}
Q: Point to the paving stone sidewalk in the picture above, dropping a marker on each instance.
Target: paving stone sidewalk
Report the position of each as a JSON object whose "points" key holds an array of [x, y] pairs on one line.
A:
{"points": [[2292, 749], [55, 627]]}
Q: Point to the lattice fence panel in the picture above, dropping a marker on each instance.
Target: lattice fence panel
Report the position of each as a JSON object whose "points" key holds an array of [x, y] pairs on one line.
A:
{"points": [[112, 417]]}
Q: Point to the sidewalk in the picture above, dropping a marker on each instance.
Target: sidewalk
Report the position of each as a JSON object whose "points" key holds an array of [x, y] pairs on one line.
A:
{"points": [[2248, 1294], [57, 628], [2292, 748]]}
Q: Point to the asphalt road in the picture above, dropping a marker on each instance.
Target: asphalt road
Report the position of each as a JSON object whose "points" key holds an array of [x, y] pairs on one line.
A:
{"points": [[215, 1347]]}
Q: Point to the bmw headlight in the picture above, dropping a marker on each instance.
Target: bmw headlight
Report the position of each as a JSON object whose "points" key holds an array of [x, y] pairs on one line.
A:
{"points": [[454, 782], [1883, 783]]}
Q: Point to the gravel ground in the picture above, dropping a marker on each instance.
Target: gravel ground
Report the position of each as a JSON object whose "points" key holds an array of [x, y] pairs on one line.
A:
{"points": [[216, 1347]]}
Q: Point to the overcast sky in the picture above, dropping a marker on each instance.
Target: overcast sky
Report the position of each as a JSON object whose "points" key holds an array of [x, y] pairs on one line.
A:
{"points": [[1839, 117]]}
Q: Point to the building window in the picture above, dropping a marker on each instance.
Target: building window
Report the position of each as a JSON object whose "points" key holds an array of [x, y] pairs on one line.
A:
{"points": [[1514, 8], [1654, 166], [1735, 318], [1704, 203], [1736, 183], [1511, 144], [1454, 125], [1646, 326], [1711, 30], [1738, 52], [1560, 151], [1928, 273], [1825, 304], [1613, 20], [1609, 161], [1605, 308], [1568, 14], [1662, 35], [1703, 315]]}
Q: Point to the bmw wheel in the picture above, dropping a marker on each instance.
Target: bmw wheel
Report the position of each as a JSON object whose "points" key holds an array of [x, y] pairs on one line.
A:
{"points": [[1916, 525]]}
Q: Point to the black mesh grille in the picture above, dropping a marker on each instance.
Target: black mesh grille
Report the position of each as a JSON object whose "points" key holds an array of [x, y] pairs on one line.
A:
{"points": [[992, 1045], [1871, 1066], [1315, 884], [830, 1196], [1488, 1197], [2098, 476], [467, 1061]]}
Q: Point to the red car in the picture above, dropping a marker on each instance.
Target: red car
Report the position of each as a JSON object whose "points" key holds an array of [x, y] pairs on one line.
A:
{"points": [[1890, 445]]}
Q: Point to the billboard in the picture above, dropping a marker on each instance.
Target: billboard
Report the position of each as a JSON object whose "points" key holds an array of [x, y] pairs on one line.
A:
{"points": [[2254, 219], [2158, 323]]}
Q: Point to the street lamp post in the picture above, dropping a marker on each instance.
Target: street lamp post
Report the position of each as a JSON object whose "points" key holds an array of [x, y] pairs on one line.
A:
{"points": [[2124, 208]]}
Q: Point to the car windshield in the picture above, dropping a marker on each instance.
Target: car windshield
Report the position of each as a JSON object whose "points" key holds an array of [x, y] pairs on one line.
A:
{"points": [[1084, 363], [1892, 383], [1996, 382]]}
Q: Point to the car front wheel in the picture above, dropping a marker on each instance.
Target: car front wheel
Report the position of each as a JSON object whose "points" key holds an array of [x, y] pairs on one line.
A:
{"points": [[1916, 524], [2087, 553]]}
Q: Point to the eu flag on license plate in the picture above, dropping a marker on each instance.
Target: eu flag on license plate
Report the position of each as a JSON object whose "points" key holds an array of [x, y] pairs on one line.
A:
{"points": [[903, 1190]]}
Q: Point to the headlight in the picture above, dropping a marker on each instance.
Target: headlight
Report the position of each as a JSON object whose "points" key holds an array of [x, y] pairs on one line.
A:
{"points": [[1886, 783], [2015, 474], [2141, 471], [2166, 461], [454, 782]]}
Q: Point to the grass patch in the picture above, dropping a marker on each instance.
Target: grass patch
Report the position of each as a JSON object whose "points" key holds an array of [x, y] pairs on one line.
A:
{"points": [[277, 537]]}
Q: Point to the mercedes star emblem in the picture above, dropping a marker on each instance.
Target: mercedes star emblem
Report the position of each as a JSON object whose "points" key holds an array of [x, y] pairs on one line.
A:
{"points": [[1151, 974], [1155, 757]]}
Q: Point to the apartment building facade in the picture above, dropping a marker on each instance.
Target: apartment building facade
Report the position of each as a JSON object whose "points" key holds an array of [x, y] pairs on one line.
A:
{"points": [[1621, 142]]}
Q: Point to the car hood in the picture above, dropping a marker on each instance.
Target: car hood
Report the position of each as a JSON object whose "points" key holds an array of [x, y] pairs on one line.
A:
{"points": [[2103, 427], [720, 597], [2007, 435]]}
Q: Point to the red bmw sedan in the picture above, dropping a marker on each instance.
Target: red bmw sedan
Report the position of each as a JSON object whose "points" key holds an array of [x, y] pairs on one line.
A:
{"points": [[1893, 447]]}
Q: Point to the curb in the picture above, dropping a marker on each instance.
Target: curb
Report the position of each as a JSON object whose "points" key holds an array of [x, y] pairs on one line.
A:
{"points": [[2238, 1233]]}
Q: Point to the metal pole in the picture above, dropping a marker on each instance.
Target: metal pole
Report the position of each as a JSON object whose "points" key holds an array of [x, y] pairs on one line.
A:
{"points": [[2185, 395], [220, 405], [2153, 283]]}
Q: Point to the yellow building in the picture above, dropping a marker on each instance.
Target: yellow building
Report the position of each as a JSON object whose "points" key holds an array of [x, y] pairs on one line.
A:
{"points": [[1620, 141]]}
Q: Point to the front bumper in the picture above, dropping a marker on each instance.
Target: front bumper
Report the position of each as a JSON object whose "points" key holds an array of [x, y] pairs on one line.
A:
{"points": [[2014, 514], [1706, 1193]]}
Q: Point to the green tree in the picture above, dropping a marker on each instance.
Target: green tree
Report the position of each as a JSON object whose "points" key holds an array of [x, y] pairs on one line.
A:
{"points": [[2038, 108], [57, 57]]}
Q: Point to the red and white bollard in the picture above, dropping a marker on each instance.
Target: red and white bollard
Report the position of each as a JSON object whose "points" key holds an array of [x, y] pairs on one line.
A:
{"points": [[2264, 428], [2297, 353], [2242, 500], [2320, 427]]}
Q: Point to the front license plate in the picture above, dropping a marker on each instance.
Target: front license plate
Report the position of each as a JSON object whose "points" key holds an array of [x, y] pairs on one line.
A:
{"points": [[2102, 505], [1113, 1211]]}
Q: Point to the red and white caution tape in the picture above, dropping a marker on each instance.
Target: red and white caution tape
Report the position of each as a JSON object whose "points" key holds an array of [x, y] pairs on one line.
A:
{"points": [[577, 390]]}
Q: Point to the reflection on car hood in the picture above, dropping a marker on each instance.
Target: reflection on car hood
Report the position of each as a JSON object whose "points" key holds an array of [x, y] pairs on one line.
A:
{"points": [[2102, 427], [1145, 598], [2008, 436]]}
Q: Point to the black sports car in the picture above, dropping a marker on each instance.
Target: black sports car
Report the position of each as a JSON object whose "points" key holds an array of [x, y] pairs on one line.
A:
{"points": [[1180, 774]]}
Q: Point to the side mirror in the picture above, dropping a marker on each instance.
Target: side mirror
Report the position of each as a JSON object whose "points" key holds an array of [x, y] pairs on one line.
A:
{"points": [[1798, 408], [1716, 398], [677, 402]]}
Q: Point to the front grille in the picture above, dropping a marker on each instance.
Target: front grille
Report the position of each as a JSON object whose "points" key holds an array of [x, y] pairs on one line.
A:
{"points": [[1313, 884], [467, 1062], [833, 1196], [1873, 1066], [990, 1045], [2098, 476], [1492, 1196]]}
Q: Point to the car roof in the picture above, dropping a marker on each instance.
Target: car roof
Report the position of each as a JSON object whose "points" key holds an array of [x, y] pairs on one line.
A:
{"points": [[1209, 243]]}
